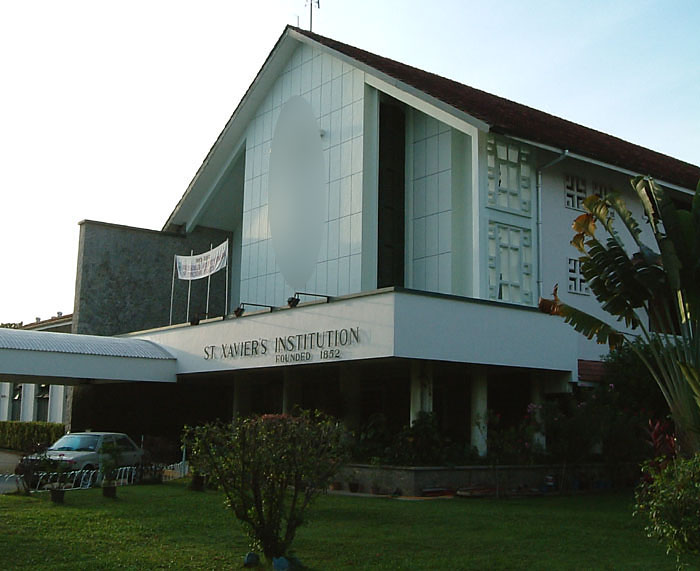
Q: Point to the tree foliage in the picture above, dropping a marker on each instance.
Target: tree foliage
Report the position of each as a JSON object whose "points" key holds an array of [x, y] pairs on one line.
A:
{"points": [[270, 469], [671, 501], [654, 293]]}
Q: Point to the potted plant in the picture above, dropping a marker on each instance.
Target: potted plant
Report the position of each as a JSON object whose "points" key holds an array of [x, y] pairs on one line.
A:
{"points": [[109, 464], [42, 471]]}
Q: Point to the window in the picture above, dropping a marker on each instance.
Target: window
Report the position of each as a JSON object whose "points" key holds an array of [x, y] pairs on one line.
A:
{"points": [[577, 283], [510, 263], [509, 176], [575, 191], [600, 189]]}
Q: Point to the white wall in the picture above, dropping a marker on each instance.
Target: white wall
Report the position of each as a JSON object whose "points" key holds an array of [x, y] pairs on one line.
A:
{"points": [[335, 91], [430, 204], [557, 219]]}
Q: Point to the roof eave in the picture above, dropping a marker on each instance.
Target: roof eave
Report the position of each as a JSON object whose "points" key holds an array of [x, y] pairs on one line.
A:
{"points": [[596, 162]]}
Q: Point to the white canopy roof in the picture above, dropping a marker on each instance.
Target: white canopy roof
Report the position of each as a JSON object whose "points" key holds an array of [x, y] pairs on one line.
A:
{"points": [[38, 356]]}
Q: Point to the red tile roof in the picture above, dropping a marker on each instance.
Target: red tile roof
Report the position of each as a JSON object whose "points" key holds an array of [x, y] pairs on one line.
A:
{"points": [[50, 321], [510, 118]]}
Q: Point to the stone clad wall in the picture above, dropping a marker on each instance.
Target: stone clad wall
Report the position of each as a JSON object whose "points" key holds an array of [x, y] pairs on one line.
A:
{"points": [[124, 278]]}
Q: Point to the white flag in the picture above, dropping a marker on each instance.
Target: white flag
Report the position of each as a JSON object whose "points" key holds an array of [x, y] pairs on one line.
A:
{"points": [[202, 265]]}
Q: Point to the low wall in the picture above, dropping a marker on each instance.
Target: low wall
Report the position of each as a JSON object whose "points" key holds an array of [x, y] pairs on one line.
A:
{"points": [[419, 480]]}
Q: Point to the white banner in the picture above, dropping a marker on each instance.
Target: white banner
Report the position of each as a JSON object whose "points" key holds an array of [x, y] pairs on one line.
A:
{"points": [[202, 265]]}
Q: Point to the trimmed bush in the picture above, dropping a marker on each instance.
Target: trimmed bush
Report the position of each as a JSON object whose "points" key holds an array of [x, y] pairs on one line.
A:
{"points": [[270, 469], [29, 436], [671, 501]]}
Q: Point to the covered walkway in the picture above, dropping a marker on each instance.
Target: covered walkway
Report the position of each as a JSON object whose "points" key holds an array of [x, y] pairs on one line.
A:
{"points": [[64, 358]]}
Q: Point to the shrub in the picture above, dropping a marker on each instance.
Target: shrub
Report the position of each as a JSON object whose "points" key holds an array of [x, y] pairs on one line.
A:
{"points": [[671, 501], [29, 436], [420, 444], [374, 440], [270, 468]]}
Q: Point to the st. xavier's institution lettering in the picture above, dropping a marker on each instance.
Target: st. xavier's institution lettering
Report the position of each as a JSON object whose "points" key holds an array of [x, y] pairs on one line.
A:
{"points": [[317, 345]]}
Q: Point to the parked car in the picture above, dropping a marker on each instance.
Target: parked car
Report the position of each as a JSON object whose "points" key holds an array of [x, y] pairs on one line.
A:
{"points": [[82, 450]]}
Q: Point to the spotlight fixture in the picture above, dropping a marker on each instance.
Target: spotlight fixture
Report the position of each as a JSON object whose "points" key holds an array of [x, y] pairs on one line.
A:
{"points": [[294, 300], [241, 308]]}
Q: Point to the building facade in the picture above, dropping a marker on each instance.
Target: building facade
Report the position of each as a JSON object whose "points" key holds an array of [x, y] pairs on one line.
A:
{"points": [[390, 234]]}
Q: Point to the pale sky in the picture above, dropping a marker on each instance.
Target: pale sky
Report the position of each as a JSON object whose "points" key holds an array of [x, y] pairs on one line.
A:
{"points": [[107, 108]]}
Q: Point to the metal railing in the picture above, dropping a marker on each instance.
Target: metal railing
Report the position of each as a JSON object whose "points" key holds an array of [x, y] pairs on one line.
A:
{"points": [[85, 479], [175, 471], [72, 480]]}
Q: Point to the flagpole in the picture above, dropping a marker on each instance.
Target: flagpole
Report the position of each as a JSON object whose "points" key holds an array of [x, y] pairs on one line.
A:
{"points": [[189, 290], [209, 279], [228, 267], [226, 288], [172, 289]]}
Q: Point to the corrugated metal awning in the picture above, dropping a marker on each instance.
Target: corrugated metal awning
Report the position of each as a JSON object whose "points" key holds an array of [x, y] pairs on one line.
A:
{"points": [[81, 344], [40, 356]]}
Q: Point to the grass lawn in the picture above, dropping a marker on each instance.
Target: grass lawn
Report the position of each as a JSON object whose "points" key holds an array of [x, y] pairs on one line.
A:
{"points": [[168, 527]]}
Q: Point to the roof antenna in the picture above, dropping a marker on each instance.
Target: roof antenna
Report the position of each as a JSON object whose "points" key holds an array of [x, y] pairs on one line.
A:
{"points": [[310, 4]]}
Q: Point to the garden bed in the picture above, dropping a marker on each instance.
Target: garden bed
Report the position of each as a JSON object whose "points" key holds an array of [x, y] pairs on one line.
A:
{"points": [[520, 480]]}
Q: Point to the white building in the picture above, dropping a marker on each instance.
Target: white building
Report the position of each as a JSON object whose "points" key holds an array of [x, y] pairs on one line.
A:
{"points": [[425, 216]]}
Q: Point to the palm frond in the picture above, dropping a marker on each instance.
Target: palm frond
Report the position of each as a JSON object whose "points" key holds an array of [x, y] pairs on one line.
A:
{"points": [[584, 323]]}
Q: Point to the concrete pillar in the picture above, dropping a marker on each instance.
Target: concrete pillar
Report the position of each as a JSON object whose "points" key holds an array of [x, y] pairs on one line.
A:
{"points": [[5, 400], [479, 410], [28, 405], [291, 390], [351, 393], [68, 406], [56, 400], [537, 398], [421, 388], [241, 396]]}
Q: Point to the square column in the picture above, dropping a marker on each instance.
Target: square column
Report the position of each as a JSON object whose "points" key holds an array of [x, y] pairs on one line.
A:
{"points": [[479, 411], [68, 391], [421, 388], [5, 400], [56, 400], [28, 405]]}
